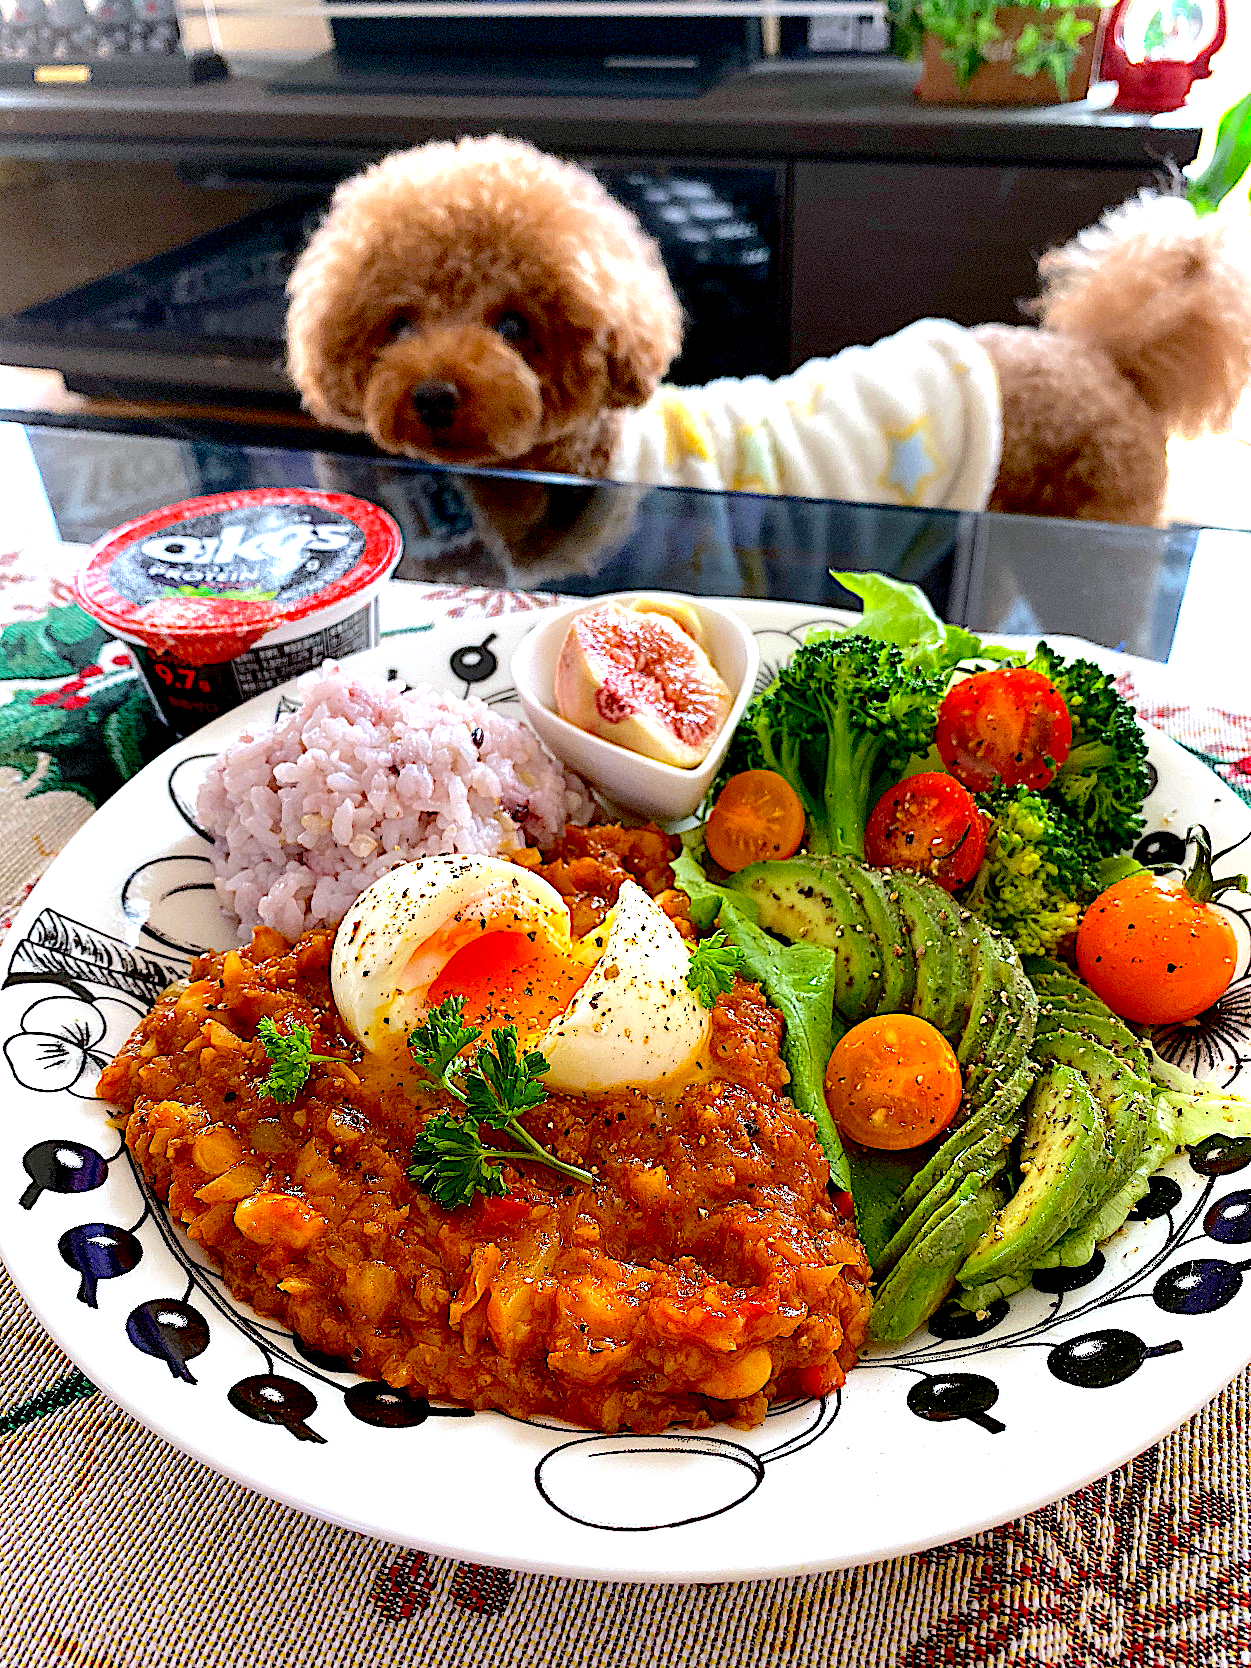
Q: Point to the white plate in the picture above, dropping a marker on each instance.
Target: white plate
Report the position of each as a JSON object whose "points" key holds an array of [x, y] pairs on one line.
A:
{"points": [[927, 1442], [638, 784]]}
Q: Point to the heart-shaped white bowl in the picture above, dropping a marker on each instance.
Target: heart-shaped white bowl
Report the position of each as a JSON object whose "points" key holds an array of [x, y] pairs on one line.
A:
{"points": [[625, 779]]}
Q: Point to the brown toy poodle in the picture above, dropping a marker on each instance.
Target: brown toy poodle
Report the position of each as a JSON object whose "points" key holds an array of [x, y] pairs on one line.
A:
{"points": [[482, 303]]}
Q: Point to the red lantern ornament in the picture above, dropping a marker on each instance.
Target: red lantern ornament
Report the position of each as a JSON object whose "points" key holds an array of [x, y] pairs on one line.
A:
{"points": [[1155, 50]]}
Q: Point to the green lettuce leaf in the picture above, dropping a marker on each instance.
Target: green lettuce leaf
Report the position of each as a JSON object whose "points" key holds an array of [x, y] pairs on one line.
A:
{"points": [[895, 612], [799, 981], [705, 895]]}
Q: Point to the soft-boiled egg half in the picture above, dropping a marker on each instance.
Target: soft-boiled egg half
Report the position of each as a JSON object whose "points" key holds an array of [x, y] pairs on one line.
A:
{"points": [[611, 1010]]}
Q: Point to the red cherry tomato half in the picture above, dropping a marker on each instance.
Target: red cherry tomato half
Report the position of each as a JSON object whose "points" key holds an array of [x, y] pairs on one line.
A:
{"points": [[1010, 725], [929, 824], [893, 1082], [1155, 954]]}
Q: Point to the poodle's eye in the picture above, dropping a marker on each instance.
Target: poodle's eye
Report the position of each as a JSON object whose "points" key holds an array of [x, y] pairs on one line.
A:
{"points": [[512, 327], [398, 327]]}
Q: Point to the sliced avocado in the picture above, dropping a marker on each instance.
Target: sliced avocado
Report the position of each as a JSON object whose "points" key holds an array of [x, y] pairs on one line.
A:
{"points": [[1012, 1036], [977, 1298], [926, 1272], [806, 899], [1064, 1161], [952, 923], [1066, 992], [1109, 1074], [1083, 1005], [1078, 1246], [1009, 1094], [1067, 1003], [1072, 996], [1007, 1028], [1001, 1112], [974, 1157], [1063, 986], [986, 984], [933, 998], [1128, 1102], [899, 962], [1043, 967], [1105, 1029]]}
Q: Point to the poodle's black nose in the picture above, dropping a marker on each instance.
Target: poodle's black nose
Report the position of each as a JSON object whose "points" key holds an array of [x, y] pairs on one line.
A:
{"points": [[435, 403]]}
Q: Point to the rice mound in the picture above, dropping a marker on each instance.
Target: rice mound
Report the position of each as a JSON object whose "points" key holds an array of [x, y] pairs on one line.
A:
{"points": [[364, 776]]}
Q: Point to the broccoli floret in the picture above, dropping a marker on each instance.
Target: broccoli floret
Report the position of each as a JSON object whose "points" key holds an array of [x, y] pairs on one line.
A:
{"points": [[840, 722], [1105, 778], [1041, 868]]}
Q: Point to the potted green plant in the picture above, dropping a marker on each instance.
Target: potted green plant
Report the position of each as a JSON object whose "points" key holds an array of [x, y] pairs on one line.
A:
{"points": [[985, 52]]}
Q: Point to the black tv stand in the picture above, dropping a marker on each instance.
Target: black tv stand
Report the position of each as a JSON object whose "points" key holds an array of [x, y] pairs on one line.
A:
{"points": [[676, 76]]}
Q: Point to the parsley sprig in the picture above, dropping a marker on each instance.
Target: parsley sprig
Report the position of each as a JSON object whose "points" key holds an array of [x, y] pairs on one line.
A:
{"points": [[714, 963], [291, 1059], [451, 1159], [439, 1040], [505, 1084]]}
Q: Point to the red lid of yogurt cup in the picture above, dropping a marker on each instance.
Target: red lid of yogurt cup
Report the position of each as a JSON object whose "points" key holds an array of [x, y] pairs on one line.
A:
{"points": [[206, 578]]}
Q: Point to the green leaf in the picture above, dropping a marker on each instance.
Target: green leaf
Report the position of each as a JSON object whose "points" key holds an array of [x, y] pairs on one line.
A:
{"points": [[909, 30], [799, 980], [967, 28], [893, 611], [705, 895], [714, 965], [1230, 160], [878, 1181], [899, 613], [451, 1163], [440, 1038], [503, 1084], [1072, 30], [291, 1057], [449, 1158]]}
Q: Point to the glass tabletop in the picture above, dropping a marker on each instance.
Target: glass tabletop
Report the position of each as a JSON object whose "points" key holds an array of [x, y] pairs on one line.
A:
{"points": [[1124, 587]]}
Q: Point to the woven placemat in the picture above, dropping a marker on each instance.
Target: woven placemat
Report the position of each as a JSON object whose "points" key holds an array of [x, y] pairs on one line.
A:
{"points": [[119, 1552]]}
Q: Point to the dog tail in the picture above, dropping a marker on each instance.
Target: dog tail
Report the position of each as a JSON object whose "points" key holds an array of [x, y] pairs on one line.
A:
{"points": [[1167, 295]]}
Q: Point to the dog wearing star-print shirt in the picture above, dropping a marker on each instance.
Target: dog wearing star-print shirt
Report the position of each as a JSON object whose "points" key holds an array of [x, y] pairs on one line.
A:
{"points": [[913, 419], [481, 303]]}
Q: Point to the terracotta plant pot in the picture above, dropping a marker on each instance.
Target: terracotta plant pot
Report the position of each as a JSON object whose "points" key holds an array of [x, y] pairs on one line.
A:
{"points": [[997, 81]]}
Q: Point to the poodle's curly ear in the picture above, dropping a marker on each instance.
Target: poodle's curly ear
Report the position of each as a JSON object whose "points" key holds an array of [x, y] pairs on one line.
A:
{"points": [[642, 344]]}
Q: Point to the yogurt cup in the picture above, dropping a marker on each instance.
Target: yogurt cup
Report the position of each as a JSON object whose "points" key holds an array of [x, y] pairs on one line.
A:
{"points": [[221, 598]]}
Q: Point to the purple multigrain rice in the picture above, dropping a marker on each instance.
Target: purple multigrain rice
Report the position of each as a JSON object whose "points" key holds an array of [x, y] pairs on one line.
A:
{"points": [[307, 814]]}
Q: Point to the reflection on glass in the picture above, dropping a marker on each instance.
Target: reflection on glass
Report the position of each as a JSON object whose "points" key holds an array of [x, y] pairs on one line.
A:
{"points": [[1122, 586]]}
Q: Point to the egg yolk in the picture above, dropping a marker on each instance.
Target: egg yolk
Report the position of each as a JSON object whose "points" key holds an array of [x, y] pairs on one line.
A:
{"points": [[511, 978]]}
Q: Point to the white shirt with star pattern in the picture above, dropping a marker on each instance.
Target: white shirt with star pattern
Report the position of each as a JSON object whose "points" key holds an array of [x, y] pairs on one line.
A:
{"points": [[912, 419]]}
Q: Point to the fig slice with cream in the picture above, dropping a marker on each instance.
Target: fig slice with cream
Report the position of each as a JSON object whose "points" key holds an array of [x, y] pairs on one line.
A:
{"points": [[636, 677]]}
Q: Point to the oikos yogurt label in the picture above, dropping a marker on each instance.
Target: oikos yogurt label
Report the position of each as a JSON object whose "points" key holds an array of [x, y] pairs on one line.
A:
{"points": [[281, 553], [222, 597]]}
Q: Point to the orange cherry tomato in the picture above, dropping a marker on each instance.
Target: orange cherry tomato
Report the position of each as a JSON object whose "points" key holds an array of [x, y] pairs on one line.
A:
{"points": [[930, 824], [1153, 947], [758, 815], [1010, 726], [893, 1082]]}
